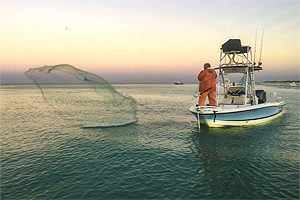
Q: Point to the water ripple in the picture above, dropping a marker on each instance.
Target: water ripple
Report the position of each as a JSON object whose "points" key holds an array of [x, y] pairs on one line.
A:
{"points": [[162, 156]]}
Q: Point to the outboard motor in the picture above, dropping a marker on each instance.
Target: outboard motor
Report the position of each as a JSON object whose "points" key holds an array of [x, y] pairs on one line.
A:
{"points": [[261, 95]]}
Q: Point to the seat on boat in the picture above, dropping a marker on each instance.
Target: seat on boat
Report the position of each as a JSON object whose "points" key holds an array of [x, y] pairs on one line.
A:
{"points": [[233, 100], [238, 100], [236, 89], [234, 45], [226, 101]]}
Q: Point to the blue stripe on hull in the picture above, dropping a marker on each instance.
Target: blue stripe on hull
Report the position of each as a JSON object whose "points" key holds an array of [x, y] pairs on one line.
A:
{"points": [[244, 115]]}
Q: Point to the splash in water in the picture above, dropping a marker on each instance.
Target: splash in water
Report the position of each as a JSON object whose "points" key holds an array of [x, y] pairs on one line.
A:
{"points": [[83, 98]]}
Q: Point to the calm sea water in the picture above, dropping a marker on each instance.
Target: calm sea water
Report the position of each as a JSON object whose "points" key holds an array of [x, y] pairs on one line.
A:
{"points": [[163, 155]]}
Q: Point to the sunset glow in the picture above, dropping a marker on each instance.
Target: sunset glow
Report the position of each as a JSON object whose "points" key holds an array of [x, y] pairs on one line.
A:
{"points": [[165, 39]]}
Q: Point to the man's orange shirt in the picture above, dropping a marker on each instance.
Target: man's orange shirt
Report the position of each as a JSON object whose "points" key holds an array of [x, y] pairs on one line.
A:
{"points": [[208, 80]]}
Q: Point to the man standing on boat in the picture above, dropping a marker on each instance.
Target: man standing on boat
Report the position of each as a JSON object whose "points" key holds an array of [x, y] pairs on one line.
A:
{"points": [[207, 87]]}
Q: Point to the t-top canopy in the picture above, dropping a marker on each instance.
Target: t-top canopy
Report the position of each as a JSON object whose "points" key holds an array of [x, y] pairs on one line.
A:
{"points": [[238, 69], [234, 45]]}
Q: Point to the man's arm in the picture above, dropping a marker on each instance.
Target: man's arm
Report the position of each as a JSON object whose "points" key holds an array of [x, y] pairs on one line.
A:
{"points": [[201, 75]]}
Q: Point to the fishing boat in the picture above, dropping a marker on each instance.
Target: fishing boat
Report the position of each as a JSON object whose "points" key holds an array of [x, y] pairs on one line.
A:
{"points": [[240, 104], [178, 83]]}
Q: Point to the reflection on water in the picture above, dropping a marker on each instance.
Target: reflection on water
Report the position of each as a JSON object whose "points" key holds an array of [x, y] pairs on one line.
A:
{"points": [[245, 162]]}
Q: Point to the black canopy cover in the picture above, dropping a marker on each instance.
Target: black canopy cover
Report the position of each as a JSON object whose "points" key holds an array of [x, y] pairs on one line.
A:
{"points": [[234, 45]]}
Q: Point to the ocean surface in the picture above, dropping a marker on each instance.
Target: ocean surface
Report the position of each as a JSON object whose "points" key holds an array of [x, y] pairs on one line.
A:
{"points": [[163, 155]]}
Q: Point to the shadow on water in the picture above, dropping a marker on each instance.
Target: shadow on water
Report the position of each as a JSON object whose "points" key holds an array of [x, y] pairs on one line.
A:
{"points": [[111, 125], [246, 162]]}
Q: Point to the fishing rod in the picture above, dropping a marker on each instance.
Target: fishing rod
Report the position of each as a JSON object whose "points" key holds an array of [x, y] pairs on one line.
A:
{"points": [[253, 61], [198, 95], [261, 45]]}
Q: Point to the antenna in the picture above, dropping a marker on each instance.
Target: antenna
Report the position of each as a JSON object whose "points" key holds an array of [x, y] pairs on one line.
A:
{"points": [[261, 45], [255, 46]]}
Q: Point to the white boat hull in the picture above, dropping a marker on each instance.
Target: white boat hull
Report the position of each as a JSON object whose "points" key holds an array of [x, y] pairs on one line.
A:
{"points": [[246, 115], [222, 123]]}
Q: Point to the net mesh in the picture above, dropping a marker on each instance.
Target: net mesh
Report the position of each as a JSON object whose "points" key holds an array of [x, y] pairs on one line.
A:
{"points": [[83, 98]]}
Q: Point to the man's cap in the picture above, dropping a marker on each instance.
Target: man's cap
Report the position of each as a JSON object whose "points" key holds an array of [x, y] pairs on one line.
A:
{"points": [[206, 65]]}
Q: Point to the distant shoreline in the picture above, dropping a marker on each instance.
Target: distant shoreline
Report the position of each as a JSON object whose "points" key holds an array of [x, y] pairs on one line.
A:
{"points": [[281, 81], [3, 84]]}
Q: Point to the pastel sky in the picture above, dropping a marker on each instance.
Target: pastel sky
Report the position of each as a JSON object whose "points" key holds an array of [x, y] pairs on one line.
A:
{"points": [[145, 40]]}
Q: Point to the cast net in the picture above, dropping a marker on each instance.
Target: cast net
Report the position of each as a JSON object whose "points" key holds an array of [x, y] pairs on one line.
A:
{"points": [[83, 98]]}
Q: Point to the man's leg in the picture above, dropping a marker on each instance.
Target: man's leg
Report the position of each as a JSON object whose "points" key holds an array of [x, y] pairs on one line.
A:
{"points": [[212, 98], [201, 99]]}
